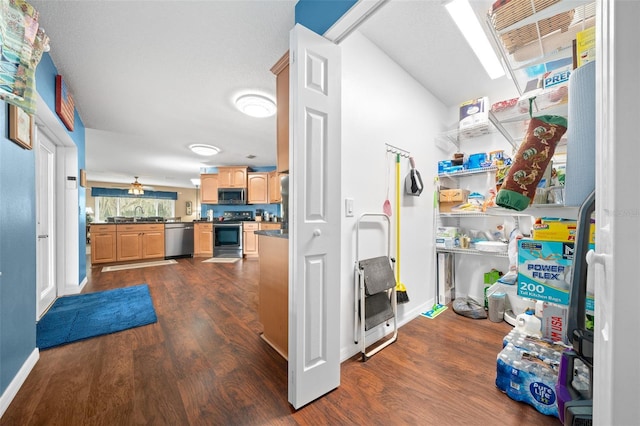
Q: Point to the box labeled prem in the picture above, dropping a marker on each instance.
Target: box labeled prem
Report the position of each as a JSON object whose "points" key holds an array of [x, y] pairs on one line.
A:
{"points": [[545, 271], [554, 322], [474, 112], [559, 230]]}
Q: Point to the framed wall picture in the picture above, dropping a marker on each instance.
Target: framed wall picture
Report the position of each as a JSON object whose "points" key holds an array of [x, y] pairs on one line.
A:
{"points": [[20, 127]]}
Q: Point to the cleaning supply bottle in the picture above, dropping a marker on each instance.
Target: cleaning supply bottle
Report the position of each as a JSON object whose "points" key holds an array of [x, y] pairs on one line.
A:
{"points": [[529, 324]]}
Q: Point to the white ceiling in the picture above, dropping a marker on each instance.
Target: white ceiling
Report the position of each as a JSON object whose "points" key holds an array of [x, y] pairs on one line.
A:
{"points": [[150, 78]]}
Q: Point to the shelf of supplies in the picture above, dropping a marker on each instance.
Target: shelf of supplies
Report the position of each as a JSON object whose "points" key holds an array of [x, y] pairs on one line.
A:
{"points": [[468, 172], [464, 214], [548, 12], [472, 251], [538, 210]]}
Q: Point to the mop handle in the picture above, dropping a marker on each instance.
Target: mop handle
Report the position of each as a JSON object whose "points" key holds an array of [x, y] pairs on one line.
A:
{"points": [[398, 218]]}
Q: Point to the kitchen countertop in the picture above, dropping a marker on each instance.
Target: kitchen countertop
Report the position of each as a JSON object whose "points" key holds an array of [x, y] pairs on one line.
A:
{"points": [[278, 233]]}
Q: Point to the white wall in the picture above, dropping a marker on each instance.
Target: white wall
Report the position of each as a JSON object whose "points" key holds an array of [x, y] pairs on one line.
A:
{"points": [[382, 104]]}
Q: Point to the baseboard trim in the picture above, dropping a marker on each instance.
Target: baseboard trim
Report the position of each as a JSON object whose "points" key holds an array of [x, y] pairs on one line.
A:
{"points": [[18, 381]]}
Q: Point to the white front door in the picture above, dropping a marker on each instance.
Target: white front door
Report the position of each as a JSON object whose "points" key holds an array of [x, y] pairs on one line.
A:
{"points": [[45, 224], [314, 239], [616, 379]]}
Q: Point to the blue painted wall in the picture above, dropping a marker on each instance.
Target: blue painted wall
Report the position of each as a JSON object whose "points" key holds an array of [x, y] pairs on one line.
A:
{"points": [[17, 254], [320, 15], [18, 234]]}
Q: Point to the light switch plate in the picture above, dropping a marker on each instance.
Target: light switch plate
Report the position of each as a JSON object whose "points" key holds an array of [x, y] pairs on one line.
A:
{"points": [[348, 207]]}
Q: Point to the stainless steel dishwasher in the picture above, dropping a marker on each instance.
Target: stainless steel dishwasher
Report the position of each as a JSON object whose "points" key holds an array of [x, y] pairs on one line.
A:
{"points": [[178, 240]]}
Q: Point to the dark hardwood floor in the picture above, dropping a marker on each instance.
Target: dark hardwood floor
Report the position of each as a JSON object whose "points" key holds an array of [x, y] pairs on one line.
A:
{"points": [[203, 363]]}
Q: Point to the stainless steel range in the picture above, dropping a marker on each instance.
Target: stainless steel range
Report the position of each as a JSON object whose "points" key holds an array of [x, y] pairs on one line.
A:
{"points": [[227, 233]]}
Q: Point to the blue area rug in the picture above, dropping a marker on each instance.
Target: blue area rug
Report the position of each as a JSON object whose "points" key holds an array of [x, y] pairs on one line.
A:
{"points": [[82, 316]]}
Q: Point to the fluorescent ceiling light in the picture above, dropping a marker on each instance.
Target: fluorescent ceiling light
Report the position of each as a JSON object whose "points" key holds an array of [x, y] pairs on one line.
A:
{"points": [[256, 105], [467, 22], [205, 150]]}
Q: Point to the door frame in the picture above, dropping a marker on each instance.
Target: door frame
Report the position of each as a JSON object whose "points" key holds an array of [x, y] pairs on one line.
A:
{"points": [[52, 219], [66, 203]]}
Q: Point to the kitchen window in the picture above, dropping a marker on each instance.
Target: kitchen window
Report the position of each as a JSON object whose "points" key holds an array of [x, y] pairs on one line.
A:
{"points": [[106, 207]]}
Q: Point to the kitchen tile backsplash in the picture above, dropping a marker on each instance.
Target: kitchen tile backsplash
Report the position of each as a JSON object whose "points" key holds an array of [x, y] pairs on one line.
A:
{"points": [[272, 209]]}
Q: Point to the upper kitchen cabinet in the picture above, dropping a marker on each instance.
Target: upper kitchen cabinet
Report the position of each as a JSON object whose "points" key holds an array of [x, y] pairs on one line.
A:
{"points": [[209, 189], [281, 70], [232, 177], [541, 41], [275, 189], [258, 188]]}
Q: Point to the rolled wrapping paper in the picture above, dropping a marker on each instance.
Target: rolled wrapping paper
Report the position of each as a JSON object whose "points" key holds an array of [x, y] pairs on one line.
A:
{"points": [[531, 161]]}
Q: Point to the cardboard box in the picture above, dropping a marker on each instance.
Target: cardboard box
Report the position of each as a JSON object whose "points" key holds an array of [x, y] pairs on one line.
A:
{"points": [[560, 230], [586, 46], [451, 198], [474, 113], [454, 195], [554, 322], [447, 231]]}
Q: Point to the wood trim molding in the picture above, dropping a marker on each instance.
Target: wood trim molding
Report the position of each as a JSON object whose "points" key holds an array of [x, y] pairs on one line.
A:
{"points": [[282, 63]]}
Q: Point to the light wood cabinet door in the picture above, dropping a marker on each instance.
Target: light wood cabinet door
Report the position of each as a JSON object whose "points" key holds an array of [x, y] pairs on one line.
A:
{"points": [[249, 239], [129, 245], [281, 70], [232, 177], [103, 245], [275, 195], [153, 244], [273, 292], [258, 188], [203, 240], [209, 189]]}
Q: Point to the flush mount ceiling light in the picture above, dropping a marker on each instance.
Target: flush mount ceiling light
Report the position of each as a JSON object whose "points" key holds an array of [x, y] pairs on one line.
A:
{"points": [[204, 150], [136, 188], [467, 22], [256, 105]]}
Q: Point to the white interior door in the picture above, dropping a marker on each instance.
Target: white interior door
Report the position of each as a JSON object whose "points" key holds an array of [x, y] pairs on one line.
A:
{"points": [[45, 224], [616, 379], [314, 239]]}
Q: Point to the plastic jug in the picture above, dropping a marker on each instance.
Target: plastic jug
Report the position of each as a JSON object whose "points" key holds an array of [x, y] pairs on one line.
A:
{"points": [[529, 324]]}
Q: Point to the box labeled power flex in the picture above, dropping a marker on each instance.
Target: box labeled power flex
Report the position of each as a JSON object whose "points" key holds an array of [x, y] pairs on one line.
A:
{"points": [[545, 270]]}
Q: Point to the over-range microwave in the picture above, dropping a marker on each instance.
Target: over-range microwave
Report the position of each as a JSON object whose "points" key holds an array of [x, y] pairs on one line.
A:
{"points": [[232, 196]]}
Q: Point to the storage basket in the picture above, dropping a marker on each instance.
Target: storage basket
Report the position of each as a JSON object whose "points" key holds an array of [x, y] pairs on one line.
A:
{"points": [[514, 11]]}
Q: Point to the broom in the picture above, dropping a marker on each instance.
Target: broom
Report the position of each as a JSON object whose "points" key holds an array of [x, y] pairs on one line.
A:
{"points": [[437, 308], [401, 290]]}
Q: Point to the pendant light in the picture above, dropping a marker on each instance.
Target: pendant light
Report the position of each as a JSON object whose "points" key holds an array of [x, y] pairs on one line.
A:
{"points": [[136, 188]]}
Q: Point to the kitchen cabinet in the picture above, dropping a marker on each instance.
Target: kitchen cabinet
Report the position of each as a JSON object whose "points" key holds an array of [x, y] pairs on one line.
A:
{"points": [[250, 239], [103, 244], [281, 70], [258, 188], [140, 241], [275, 194], [232, 177], [203, 239], [209, 189], [273, 292]]}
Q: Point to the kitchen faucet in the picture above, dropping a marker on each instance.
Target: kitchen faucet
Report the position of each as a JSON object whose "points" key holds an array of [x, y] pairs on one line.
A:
{"points": [[136, 211]]}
